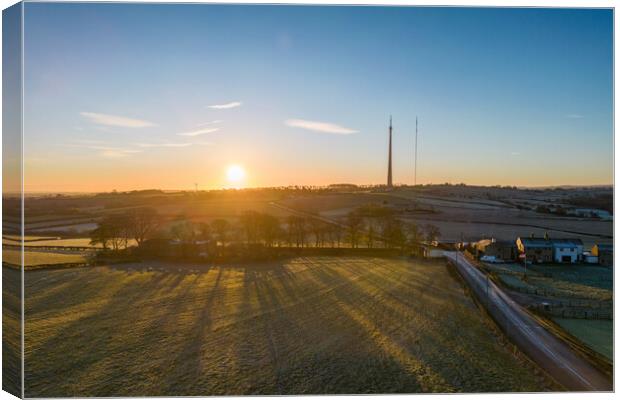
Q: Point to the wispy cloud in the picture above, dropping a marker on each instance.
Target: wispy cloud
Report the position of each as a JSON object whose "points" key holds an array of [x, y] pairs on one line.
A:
{"points": [[319, 126], [88, 142], [185, 144], [116, 120], [199, 132], [225, 106], [118, 153], [104, 151], [574, 116], [217, 121]]}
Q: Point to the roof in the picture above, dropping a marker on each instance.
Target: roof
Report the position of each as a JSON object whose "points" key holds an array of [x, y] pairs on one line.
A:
{"points": [[567, 242], [504, 243], [535, 242], [542, 242]]}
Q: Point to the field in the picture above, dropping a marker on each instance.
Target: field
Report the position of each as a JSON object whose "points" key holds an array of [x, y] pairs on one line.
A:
{"points": [[55, 242], [470, 211], [579, 297], [36, 258], [597, 334], [11, 331], [308, 325], [587, 282], [467, 211], [47, 215]]}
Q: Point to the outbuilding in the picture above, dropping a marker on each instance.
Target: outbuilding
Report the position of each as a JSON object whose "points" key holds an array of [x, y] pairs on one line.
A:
{"points": [[605, 253], [503, 250], [588, 258]]}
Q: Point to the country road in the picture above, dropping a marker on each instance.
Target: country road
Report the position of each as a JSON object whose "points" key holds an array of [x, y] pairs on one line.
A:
{"points": [[548, 351]]}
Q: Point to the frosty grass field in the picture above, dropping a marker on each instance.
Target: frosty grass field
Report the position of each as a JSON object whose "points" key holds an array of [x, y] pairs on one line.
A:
{"points": [[307, 325]]}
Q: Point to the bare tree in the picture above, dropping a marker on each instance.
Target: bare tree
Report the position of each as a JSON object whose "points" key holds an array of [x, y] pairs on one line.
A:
{"points": [[101, 235], [142, 223], [184, 232], [414, 233], [431, 232], [113, 230], [250, 221], [355, 224], [270, 229], [385, 223], [290, 229], [398, 238], [205, 232], [297, 229], [335, 234], [221, 227], [318, 230], [370, 233]]}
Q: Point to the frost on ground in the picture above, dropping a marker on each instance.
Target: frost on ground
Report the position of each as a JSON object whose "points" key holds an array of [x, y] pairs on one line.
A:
{"points": [[307, 325]]}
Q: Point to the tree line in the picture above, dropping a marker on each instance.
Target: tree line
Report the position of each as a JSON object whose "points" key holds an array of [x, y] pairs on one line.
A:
{"points": [[369, 226]]}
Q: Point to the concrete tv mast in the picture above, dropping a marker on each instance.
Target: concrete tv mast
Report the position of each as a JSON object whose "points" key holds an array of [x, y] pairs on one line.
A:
{"points": [[389, 177]]}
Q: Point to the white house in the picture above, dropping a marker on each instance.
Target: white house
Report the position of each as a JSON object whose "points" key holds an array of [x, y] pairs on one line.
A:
{"points": [[567, 250]]}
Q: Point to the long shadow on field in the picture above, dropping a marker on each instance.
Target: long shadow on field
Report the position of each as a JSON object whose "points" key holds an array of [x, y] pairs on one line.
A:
{"points": [[324, 362], [424, 343], [369, 369], [11, 331], [185, 370], [59, 284], [144, 357], [262, 340], [384, 320], [54, 367]]}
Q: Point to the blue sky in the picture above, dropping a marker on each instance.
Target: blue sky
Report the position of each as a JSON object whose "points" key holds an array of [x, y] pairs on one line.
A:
{"points": [[122, 96]]}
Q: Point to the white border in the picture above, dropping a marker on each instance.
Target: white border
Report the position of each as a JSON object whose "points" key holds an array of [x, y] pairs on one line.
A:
{"points": [[474, 3]]}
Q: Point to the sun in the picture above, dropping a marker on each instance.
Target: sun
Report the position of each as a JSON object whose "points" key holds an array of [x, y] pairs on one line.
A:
{"points": [[235, 174]]}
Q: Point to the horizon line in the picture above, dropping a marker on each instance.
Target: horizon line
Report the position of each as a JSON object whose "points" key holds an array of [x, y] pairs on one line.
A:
{"points": [[326, 186]]}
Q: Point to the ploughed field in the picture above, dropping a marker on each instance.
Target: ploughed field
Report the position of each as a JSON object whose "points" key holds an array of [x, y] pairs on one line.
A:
{"points": [[307, 325]]}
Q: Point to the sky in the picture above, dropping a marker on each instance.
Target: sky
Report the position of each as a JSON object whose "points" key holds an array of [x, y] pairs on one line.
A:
{"points": [[137, 96]]}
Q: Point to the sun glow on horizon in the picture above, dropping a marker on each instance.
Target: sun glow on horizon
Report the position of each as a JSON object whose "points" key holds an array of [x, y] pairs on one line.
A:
{"points": [[235, 175]]}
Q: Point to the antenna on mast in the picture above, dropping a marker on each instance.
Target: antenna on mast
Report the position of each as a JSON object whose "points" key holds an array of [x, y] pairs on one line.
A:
{"points": [[415, 159]]}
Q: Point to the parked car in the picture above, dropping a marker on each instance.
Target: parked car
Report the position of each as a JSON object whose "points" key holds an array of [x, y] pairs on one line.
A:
{"points": [[490, 259]]}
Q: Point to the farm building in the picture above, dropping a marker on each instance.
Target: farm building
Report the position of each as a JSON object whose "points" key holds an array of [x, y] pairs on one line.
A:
{"points": [[544, 250], [539, 250], [501, 250], [605, 254], [592, 213], [432, 250], [567, 250], [588, 258]]}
